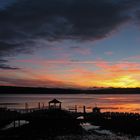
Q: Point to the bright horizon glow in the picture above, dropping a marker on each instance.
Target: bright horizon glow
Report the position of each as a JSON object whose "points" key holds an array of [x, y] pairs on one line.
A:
{"points": [[59, 47]]}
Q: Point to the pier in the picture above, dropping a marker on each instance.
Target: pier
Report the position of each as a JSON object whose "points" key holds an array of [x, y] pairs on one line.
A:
{"points": [[113, 120]]}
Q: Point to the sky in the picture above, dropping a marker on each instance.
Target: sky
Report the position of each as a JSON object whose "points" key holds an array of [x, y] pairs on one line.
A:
{"points": [[70, 43]]}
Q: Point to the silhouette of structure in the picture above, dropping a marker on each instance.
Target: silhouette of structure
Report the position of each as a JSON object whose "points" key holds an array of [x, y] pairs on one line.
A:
{"points": [[96, 110], [55, 104]]}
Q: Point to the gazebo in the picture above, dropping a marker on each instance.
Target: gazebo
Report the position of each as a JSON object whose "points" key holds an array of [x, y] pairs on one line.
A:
{"points": [[96, 110], [54, 104]]}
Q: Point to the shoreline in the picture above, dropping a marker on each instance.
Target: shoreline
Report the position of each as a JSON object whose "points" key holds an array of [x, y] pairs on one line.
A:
{"points": [[45, 90]]}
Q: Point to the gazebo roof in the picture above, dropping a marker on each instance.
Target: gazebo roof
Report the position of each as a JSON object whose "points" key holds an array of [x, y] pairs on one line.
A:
{"points": [[54, 101]]}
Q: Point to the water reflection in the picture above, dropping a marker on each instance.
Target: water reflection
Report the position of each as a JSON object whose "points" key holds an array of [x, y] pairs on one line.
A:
{"points": [[114, 103], [12, 125]]}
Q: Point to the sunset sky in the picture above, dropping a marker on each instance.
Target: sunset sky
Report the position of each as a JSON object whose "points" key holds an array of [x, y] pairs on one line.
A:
{"points": [[70, 43]]}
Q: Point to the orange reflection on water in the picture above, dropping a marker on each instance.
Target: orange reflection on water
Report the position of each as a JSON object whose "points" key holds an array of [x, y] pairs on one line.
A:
{"points": [[127, 107]]}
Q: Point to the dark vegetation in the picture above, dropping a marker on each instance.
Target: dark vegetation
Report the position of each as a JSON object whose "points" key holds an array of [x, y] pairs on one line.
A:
{"points": [[39, 90], [128, 123], [50, 123]]}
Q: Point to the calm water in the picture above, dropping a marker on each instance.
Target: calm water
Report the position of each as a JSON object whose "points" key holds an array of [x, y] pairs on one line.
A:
{"points": [[121, 103]]}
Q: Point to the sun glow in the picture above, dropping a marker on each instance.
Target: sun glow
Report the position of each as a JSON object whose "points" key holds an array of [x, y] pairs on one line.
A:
{"points": [[123, 82]]}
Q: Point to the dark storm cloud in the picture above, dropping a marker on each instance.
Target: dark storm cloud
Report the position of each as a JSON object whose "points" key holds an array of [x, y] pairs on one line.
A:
{"points": [[5, 66], [56, 19], [25, 21], [5, 3]]}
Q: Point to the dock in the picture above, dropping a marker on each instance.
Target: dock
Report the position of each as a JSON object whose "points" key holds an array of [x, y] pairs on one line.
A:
{"points": [[112, 120]]}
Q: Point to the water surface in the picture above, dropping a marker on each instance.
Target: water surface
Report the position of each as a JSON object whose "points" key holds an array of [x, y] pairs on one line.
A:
{"points": [[118, 102]]}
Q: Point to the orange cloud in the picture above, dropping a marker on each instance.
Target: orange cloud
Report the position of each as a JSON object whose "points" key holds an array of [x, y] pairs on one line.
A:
{"points": [[67, 73]]}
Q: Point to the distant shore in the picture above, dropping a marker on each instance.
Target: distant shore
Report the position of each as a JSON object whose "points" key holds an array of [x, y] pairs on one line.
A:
{"points": [[43, 90]]}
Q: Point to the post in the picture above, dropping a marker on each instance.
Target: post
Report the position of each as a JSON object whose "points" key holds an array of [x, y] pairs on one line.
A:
{"points": [[84, 109], [84, 112], [75, 108], [60, 105], [26, 107]]}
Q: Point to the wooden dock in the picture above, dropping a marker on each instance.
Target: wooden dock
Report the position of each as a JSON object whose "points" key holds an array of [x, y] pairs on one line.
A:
{"points": [[99, 118]]}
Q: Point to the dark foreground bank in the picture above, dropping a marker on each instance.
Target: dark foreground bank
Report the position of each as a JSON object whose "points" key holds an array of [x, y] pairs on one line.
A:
{"points": [[43, 125], [58, 124]]}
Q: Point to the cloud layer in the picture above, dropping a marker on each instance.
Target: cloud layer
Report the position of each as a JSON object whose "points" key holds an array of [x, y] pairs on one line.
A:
{"points": [[25, 21]]}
